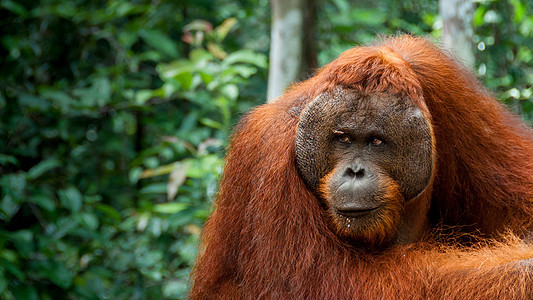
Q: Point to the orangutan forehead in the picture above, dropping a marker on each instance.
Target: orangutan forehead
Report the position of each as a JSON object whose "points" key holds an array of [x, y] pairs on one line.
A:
{"points": [[347, 100], [343, 103], [376, 106]]}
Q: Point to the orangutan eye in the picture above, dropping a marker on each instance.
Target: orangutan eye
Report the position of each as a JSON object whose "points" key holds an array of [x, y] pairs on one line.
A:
{"points": [[375, 141], [345, 138], [342, 136]]}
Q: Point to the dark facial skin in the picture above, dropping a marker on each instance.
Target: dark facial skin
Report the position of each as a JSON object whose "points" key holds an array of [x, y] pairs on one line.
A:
{"points": [[366, 156]]}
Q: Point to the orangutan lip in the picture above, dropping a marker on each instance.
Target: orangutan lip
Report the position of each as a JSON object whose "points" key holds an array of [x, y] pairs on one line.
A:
{"points": [[354, 213]]}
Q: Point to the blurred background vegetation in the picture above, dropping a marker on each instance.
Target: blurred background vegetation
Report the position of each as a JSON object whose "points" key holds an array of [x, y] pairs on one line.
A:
{"points": [[114, 117]]}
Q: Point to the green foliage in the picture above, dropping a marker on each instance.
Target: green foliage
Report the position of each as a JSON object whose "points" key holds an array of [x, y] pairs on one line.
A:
{"points": [[504, 38], [113, 133]]}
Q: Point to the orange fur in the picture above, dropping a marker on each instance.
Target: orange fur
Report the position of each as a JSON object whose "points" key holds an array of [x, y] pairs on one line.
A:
{"points": [[269, 237]]}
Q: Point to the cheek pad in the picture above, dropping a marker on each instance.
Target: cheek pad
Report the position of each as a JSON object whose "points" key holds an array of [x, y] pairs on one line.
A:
{"points": [[312, 139], [411, 163]]}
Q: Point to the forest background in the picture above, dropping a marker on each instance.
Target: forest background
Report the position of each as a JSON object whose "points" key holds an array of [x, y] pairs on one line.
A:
{"points": [[115, 116]]}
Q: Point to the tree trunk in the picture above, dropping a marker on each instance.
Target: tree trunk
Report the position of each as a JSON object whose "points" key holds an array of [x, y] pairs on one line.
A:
{"points": [[292, 46], [457, 28]]}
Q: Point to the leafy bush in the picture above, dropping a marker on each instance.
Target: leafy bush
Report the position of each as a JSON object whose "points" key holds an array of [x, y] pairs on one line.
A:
{"points": [[113, 136], [504, 40]]}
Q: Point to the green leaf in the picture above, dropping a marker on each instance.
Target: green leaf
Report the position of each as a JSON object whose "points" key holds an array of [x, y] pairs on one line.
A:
{"points": [[478, 16], [42, 168], [101, 92], [65, 9], [243, 70], [185, 80], [109, 211], [206, 77], [175, 68], [155, 188], [14, 7], [89, 220], [135, 174], [97, 95], [9, 207], [188, 252], [71, 198], [246, 56], [142, 96], [519, 10], [151, 162], [23, 241], [174, 289], [342, 5], [207, 164], [170, 208], [8, 159], [200, 57], [14, 184], [11, 268], [230, 91], [43, 201], [121, 9], [211, 123], [160, 42], [169, 88]]}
